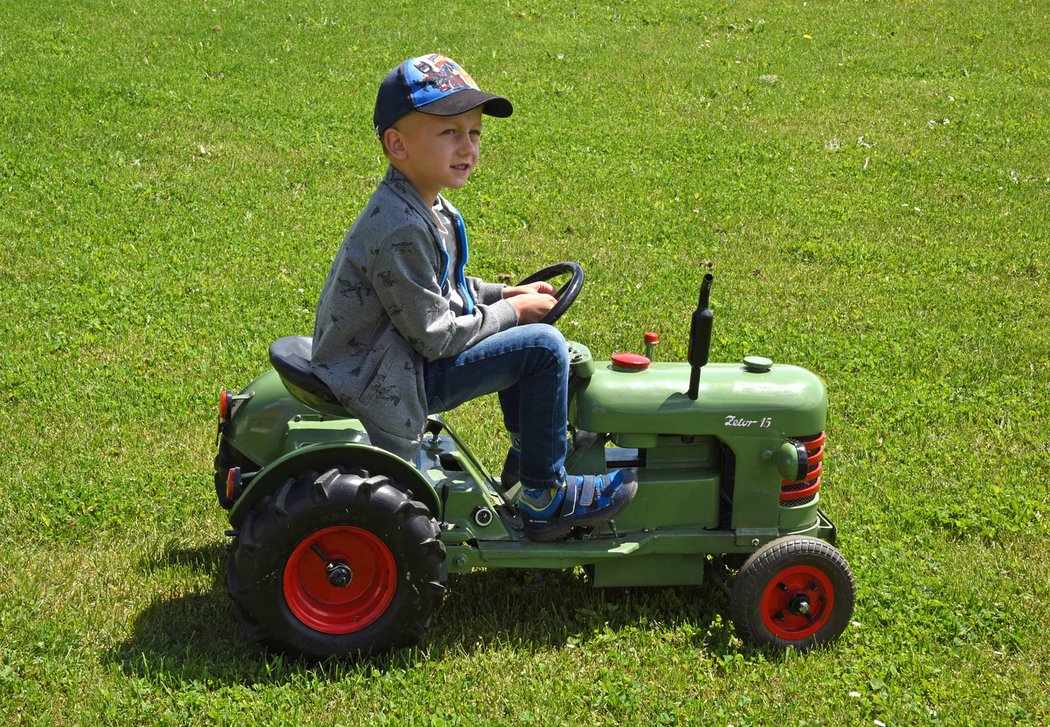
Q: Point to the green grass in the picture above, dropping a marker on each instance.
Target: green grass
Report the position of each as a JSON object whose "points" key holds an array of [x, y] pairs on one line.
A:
{"points": [[870, 183]]}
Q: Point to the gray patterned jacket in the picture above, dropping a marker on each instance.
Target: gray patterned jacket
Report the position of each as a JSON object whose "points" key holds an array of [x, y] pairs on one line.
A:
{"points": [[384, 309]]}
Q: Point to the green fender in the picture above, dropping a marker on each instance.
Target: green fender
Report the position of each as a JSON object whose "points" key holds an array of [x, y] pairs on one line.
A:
{"points": [[322, 457]]}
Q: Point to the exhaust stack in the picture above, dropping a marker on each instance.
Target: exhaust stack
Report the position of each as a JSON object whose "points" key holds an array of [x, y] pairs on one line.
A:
{"points": [[700, 336]]}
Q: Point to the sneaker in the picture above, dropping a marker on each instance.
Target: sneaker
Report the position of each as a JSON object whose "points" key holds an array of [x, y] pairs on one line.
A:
{"points": [[582, 501]]}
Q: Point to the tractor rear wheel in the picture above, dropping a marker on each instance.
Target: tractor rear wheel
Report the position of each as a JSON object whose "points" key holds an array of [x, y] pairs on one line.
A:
{"points": [[341, 564], [795, 592]]}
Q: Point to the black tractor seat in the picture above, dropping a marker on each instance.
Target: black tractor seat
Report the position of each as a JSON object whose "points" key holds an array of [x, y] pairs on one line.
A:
{"points": [[290, 356]]}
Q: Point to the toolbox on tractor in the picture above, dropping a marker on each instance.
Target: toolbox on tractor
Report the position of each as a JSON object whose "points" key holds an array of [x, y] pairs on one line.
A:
{"points": [[341, 548]]}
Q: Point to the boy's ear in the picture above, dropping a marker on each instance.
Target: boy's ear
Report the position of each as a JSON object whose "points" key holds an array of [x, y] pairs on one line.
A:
{"points": [[394, 143]]}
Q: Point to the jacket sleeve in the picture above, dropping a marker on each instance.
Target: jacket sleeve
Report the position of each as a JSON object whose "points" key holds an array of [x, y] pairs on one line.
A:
{"points": [[485, 293], [405, 277]]}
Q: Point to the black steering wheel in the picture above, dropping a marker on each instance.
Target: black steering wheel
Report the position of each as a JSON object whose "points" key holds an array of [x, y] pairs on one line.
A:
{"points": [[566, 294]]}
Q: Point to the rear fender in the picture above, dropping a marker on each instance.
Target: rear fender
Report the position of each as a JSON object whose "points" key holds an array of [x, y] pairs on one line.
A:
{"points": [[322, 457]]}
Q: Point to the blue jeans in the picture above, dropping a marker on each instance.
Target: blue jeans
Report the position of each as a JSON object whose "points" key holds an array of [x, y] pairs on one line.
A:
{"points": [[528, 366]]}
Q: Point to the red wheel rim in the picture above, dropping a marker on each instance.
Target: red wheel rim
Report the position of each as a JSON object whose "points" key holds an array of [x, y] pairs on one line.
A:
{"points": [[797, 602], [334, 609]]}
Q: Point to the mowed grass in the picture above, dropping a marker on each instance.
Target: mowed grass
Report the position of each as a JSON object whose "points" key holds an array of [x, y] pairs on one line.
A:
{"points": [[869, 183]]}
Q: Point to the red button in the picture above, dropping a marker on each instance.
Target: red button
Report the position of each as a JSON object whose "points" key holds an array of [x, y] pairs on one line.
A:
{"points": [[652, 338], [630, 362]]}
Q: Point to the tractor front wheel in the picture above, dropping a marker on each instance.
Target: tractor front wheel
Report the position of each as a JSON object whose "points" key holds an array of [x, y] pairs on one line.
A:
{"points": [[341, 564], [793, 592]]}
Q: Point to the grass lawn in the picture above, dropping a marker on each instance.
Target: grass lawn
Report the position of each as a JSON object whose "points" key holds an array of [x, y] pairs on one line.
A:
{"points": [[869, 182]]}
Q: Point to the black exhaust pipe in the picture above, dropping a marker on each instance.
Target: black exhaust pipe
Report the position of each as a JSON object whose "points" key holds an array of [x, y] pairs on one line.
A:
{"points": [[700, 336]]}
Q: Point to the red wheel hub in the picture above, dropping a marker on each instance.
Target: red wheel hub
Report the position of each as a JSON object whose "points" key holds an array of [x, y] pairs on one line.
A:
{"points": [[797, 602], [340, 579]]}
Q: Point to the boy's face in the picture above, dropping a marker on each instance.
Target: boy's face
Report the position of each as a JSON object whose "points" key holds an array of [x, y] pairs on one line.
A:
{"points": [[435, 152]]}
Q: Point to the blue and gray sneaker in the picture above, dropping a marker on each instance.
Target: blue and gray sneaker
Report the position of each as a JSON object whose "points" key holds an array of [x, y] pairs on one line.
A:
{"points": [[581, 501]]}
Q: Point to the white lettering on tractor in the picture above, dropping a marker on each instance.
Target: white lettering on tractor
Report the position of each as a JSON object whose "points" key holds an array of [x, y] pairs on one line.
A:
{"points": [[734, 421]]}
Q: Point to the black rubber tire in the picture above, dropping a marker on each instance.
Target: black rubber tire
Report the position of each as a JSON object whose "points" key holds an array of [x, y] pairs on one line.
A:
{"points": [[793, 572], [299, 513]]}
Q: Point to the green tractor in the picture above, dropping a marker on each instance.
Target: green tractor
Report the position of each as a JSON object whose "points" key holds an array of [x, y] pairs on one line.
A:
{"points": [[343, 549]]}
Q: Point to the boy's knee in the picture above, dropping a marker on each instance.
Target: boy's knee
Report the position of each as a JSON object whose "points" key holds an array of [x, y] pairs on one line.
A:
{"points": [[549, 339], [544, 335], [550, 336]]}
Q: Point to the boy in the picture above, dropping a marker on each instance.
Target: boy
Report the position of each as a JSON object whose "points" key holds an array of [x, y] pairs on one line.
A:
{"points": [[401, 331]]}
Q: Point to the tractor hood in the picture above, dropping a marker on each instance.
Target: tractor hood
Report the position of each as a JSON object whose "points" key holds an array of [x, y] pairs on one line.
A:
{"points": [[733, 399]]}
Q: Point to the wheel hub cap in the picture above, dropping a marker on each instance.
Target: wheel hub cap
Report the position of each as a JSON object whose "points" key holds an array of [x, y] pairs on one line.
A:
{"points": [[339, 574], [799, 605]]}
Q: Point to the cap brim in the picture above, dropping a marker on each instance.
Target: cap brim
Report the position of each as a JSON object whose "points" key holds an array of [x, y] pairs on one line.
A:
{"points": [[467, 99]]}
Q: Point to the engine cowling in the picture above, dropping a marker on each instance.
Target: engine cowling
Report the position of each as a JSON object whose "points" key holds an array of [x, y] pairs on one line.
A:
{"points": [[734, 400]]}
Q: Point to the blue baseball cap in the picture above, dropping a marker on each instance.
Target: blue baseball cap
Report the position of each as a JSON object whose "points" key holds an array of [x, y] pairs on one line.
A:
{"points": [[432, 84]]}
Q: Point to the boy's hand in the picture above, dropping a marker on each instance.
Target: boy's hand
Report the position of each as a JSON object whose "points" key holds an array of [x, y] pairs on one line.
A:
{"points": [[531, 307], [540, 287]]}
